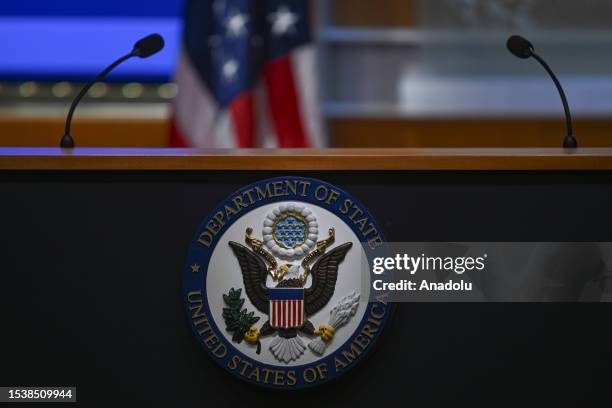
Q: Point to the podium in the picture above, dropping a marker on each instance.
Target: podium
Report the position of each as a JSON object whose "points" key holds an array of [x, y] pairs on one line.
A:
{"points": [[94, 241]]}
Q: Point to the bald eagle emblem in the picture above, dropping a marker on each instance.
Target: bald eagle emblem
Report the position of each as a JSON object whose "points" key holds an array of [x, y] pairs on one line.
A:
{"points": [[288, 276]]}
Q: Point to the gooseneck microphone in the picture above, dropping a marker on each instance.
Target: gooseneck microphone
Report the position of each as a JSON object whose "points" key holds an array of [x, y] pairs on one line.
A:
{"points": [[143, 48], [522, 48]]}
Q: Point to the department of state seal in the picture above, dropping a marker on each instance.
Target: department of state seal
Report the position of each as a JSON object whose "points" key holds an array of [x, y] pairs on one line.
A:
{"points": [[274, 284]]}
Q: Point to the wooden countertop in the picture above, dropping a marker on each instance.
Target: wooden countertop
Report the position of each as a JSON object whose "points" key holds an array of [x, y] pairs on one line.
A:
{"points": [[14, 158]]}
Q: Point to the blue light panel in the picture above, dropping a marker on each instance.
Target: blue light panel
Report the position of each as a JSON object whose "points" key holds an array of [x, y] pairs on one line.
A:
{"points": [[73, 40]]}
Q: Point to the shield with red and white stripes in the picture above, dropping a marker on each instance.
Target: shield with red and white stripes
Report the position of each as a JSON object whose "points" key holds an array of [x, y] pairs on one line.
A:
{"points": [[286, 307]]}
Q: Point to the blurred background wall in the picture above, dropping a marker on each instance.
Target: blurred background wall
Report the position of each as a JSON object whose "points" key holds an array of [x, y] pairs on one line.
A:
{"points": [[392, 72]]}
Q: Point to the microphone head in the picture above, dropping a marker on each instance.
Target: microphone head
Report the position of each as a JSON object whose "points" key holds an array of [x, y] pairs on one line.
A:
{"points": [[151, 44], [520, 47]]}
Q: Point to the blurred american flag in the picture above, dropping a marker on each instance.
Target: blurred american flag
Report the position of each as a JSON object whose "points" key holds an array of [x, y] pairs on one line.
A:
{"points": [[247, 76]]}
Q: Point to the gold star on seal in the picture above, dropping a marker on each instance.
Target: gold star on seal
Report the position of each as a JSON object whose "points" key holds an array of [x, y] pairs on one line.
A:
{"points": [[195, 268]]}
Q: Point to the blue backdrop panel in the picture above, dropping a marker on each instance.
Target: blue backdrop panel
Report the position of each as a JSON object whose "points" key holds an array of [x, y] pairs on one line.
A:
{"points": [[73, 40]]}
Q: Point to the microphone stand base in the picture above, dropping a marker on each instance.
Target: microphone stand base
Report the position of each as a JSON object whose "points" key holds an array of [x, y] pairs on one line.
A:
{"points": [[570, 142], [67, 142]]}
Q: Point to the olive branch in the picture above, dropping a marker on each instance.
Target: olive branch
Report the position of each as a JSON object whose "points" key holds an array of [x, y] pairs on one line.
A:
{"points": [[236, 318]]}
